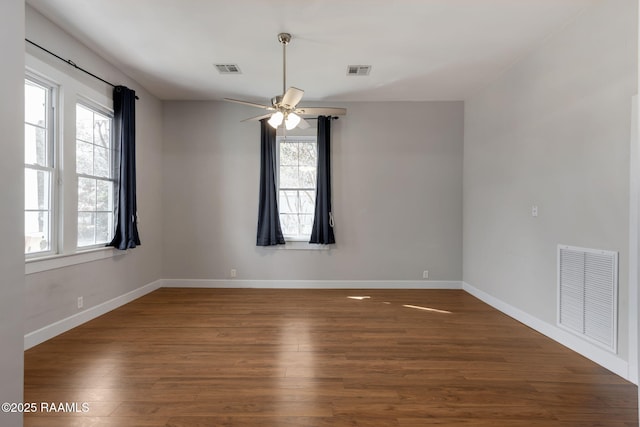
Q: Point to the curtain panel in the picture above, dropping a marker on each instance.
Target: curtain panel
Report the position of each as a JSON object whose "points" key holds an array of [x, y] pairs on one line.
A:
{"points": [[322, 231], [126, 216], [269, 229]]}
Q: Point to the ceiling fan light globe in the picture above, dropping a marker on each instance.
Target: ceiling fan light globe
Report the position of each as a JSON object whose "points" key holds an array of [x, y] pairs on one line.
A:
{"points": [[276, 119], [292, 121]]}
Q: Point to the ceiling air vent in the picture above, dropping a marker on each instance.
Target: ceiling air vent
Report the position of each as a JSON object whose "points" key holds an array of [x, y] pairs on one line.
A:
{"points": [[358, 70], [228, 69]]}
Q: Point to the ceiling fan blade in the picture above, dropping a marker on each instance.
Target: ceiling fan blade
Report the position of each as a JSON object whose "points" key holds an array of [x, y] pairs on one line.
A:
{"points": [[291, 97], [321, 111], [251, 104], [304, 124], [251, 119]]}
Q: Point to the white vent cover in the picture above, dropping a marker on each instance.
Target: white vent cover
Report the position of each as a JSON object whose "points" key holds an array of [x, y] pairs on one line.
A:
{"points": [[588, 294], [358, 70], [228, 68]]}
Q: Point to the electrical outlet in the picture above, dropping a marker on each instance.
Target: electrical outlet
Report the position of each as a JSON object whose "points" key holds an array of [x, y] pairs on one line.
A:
{"points": [[425, 274], [234, 273], [80, 302], [534, 211]]}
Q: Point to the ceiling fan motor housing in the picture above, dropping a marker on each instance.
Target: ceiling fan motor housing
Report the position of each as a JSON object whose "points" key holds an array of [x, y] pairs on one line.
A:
{"points": [[276, 100]]}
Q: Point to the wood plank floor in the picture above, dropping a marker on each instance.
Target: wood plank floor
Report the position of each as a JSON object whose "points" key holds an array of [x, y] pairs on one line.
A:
{"points": [[293, 358]]}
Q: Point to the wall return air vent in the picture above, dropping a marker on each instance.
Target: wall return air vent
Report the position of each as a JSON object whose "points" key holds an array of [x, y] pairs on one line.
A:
{"points": [[588, 294]]}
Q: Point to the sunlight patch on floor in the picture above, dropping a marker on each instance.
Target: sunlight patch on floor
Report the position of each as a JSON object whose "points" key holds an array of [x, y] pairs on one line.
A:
{"points": [[417, 307], [435, 310]]}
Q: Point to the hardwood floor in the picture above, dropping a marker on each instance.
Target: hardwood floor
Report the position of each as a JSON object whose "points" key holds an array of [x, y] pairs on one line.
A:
{"points": [[292, 358]]}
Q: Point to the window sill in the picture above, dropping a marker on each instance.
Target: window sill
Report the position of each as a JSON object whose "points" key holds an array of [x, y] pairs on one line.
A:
{"points": [[299, 245], [37, 265]]}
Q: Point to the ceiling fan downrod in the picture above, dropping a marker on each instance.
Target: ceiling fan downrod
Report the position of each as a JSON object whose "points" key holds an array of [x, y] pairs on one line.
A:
{"points": [[284, 39]]}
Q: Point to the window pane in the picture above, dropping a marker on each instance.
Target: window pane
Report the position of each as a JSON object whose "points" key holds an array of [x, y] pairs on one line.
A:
{"points": [[306, 224], [288, 202], [84, 123], [86, 228], [289, 223], [308, 201], [308, 154], [102, 131], [93, 143], [35, 145], [37, 189], [307, 176], [101, 162], [289, 177], [37, 237], [104, 224], [86, 194], [84, 158], [288, 154], [104, 198], [35, 104]]}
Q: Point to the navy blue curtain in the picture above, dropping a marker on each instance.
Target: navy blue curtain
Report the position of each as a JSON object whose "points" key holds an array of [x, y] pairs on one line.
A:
{"points": [[322, 231], [126, 214], [269, 230]]}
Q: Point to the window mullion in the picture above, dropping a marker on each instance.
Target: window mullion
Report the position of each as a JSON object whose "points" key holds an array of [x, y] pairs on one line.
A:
{"points": [[39, 167]]}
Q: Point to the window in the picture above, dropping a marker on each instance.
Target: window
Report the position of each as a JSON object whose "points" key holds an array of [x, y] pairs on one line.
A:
{"points": [[70, 169], [297, 166], [40, 175], [95, 167]]}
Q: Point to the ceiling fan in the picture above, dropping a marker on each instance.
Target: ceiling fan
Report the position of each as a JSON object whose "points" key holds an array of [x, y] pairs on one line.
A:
{"points": [[284, 108]]}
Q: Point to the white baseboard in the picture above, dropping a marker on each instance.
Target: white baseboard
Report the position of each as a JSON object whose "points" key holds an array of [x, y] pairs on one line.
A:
{"points": [[43, 334], [602, 357], [312, 284]]}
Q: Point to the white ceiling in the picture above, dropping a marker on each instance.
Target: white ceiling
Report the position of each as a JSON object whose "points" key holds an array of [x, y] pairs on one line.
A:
{"points": [[419, 49]]}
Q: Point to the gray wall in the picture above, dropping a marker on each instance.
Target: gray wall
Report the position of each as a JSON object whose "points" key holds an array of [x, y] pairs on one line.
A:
{"points": [[553, 131], [51, 295], [397, 195], [11, 207]]}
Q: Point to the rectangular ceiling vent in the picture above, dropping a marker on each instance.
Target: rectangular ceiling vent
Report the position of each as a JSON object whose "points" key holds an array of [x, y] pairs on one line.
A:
{"points": [[358, 70], [228, 68], [588, 294]]}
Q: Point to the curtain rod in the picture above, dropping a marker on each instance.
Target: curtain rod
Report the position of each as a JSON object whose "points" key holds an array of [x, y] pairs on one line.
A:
{"points": [[73, 64], [315, 118]]}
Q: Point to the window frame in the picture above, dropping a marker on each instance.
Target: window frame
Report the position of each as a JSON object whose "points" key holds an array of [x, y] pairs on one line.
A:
{"points": [[96, 108], [53, 164], [294, 139]]}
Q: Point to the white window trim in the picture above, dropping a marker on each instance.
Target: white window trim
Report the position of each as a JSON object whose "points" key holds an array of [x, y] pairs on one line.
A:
{"points": [[301, 245], [37, 265], [70, 92]]}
